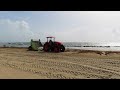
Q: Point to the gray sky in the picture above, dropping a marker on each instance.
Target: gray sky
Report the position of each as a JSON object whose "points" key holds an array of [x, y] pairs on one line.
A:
{"points": [[66, 26]]}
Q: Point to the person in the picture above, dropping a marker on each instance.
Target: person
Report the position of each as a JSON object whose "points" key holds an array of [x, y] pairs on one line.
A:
{"points": [[50, 42], [51, 45]]}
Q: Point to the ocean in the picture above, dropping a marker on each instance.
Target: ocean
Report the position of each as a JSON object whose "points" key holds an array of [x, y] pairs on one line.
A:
{"points": [[73, 45]]}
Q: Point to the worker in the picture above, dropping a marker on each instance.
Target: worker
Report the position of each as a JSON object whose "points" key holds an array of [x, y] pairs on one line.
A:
{"points": [[51, 45], [50, 42]]}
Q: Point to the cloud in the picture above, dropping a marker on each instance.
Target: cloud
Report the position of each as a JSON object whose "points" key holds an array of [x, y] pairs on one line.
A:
{"points": [[84, 34], [116, 33], [91, 26], [74, 34], [15, 31], [88, 26]]}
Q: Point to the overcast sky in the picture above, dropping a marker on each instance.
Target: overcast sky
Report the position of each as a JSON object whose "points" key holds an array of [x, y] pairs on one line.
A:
{"points": [[66, 26]]}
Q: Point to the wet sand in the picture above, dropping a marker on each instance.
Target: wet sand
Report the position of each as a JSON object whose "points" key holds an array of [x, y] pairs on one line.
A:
{"points": [[19, 63]]}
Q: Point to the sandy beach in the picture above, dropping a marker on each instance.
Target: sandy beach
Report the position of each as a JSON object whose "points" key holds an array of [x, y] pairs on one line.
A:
{"points": [[19, 63]]}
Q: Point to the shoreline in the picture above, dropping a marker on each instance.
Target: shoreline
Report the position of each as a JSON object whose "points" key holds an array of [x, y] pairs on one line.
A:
{"points": [[73, 50], [85, 51]]}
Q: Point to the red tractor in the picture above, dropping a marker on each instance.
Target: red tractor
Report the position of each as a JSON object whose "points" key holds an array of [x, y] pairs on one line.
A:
{"points": [[53, 46]]}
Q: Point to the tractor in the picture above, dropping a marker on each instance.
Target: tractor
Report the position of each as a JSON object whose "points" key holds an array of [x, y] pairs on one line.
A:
{"points": [[53, 46]]}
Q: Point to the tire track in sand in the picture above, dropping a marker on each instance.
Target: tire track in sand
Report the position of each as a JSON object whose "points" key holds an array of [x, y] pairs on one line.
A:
{"points": [[18, 65], [63, 68]]}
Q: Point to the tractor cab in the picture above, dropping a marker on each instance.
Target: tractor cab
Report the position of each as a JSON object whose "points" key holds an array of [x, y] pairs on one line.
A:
{"points": [[49, 39]]}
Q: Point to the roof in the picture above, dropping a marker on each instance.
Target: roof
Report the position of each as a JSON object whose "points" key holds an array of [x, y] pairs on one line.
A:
{"points": [[50, 37]]}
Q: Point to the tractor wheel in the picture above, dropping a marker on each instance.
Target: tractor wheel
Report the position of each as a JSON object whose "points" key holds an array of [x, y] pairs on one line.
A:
{"points": [[62, 48], [29, 48], [56, 49], [46, 48]]}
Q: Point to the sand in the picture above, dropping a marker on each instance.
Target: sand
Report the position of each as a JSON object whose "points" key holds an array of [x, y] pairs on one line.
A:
{"points": [[19, 63]]}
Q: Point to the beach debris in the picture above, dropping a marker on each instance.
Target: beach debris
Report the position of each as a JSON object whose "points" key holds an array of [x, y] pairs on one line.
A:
{"points": [[103, 53], [40, 49], [4, 46]]}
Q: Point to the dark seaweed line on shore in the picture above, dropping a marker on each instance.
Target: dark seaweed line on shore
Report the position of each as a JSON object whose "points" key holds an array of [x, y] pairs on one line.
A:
{"points": [[65, 46], [92, 46]]}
